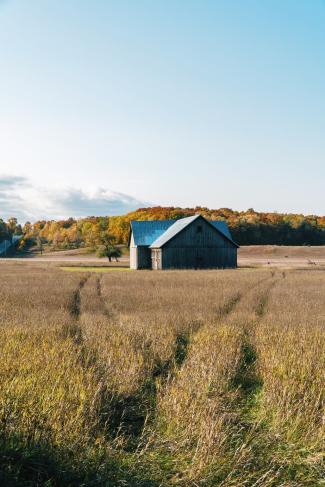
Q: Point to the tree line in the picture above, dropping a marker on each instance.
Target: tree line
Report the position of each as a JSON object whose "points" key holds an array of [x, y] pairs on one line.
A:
{"points": [[247, 227], [9, 229]]}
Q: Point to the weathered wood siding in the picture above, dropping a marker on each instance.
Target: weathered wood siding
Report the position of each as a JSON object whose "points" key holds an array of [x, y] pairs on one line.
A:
{"points": [[156, 259], [199, 246]]}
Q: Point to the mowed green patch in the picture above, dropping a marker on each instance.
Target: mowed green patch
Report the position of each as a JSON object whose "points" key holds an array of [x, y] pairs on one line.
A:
{"points": [[82, 268]]}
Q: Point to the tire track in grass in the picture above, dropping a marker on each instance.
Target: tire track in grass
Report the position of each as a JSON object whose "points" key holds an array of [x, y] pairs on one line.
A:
{"points": [[107, 312], [74, 307], [121, 416], [131, 413], [231, 304], [262, 447], [213, 396], [246, 378], [243, 447], [107, 401], [73, 329], [126, 415], [183, 341], [87, 355]]}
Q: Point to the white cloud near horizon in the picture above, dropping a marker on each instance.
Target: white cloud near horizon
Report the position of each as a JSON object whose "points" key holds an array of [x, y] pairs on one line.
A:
{"points": [[20, 198]]}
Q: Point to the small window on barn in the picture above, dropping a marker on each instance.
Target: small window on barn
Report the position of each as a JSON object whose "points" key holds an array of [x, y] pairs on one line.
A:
{"points": [[199, 229]]}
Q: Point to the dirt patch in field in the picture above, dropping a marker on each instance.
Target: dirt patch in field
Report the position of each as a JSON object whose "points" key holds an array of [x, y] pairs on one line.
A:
{"points": [[93, 269], [281, 256]]}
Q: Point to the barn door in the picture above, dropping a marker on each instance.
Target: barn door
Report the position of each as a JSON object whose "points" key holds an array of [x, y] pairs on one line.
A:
{"points": [[158, 256], [199, 261], [155, 257]]}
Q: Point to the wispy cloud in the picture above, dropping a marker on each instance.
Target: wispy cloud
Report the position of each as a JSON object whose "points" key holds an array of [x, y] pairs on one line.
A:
{"points": [[22, 199]]}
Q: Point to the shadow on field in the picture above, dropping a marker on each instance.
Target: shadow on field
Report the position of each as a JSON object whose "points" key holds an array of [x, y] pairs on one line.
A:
{"points": [[246, 378], [74, 305], [128, 414], [108, 312], [39, 465], [228, 307]]}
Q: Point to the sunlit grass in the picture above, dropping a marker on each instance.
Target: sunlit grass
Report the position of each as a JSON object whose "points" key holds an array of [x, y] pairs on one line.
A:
{"points": [[179, 378]]}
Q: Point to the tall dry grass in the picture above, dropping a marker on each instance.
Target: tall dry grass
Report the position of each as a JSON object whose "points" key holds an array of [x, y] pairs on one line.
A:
{"points": [[291, 347], [167, 378]]}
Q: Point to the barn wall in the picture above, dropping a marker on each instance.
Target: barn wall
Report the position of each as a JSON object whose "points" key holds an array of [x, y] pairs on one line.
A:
{"points": [[133, 254], [199, 246], [201, 258], [191, 237], [133, 257]]}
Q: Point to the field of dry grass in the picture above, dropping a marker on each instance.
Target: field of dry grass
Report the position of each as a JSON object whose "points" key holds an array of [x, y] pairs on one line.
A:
{"points": [[282, 256], [185, 378]]}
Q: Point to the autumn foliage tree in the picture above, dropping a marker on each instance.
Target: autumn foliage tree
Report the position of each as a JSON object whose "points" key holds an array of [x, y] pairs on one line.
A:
{"points": [[247, 227], [9, 229], [106, 246]]}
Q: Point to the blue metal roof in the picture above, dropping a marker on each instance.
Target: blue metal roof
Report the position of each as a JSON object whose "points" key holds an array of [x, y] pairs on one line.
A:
{"points": [[156, 233], [147, 231], [222, 227]]}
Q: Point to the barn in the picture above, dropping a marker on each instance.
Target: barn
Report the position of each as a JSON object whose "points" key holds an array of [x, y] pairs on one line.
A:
{"points": [[187, 243]]}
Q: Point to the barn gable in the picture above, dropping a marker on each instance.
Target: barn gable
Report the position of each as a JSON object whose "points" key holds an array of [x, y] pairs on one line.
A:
{"points": [[194, 243], [180, 225]]}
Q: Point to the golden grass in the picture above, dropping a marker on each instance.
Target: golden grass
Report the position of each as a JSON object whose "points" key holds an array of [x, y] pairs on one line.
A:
{"points": [[168, 378]]}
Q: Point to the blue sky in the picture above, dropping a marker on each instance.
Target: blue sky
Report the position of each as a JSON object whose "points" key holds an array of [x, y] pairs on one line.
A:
{"points": [[214, 103]]}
